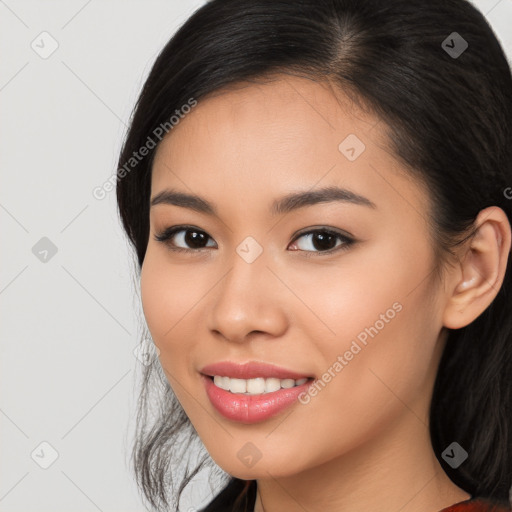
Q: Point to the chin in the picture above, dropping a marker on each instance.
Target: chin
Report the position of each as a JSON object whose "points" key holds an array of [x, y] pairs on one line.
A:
{"points": [[256, 469]]}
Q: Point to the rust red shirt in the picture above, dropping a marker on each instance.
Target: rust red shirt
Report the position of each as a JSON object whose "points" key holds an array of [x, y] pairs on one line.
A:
{"points": [[477, 505]]}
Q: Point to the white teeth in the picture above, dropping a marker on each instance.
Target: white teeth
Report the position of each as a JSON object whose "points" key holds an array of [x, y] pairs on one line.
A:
{"points": [[256, 386], [238, 385], [287, 383], [272, 384], [222, 382]]}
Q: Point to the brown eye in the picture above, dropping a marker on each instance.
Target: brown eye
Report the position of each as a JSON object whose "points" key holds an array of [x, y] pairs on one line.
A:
{"points": [[191, 239], [322, 240], [184, 238]]}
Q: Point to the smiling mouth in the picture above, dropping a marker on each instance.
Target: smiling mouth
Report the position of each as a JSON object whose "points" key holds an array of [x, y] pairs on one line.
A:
{"points": [[257, 385]]}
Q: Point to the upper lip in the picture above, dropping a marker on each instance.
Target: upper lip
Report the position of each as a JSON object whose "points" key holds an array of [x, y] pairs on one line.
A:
{"points": [[250, 370]]}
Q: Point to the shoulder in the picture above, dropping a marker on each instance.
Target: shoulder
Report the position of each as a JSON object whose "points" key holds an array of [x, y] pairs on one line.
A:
{"points": [[477, 504]]}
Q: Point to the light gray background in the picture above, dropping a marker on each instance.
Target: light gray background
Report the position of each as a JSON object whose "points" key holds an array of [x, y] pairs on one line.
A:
{"points": [[69, 328]]}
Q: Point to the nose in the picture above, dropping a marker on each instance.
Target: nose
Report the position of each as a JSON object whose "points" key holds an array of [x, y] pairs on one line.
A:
{"points": [[247, 302]]}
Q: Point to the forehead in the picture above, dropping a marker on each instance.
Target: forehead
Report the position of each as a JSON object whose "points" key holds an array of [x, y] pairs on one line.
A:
{"points": [[286, 112], [282, 135]]}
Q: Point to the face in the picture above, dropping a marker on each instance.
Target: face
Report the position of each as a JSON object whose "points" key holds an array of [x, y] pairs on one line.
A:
{"points": [[338, 290]]}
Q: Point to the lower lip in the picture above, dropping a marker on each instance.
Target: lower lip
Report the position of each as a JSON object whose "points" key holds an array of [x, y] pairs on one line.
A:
{"points": [[252, 408]]}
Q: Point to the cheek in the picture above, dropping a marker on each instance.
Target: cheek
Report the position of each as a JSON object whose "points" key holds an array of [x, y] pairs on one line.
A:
{"points": [[168, 294], [374, 310], [382, 373], [163, 300], [348, 295], [167, 297]]}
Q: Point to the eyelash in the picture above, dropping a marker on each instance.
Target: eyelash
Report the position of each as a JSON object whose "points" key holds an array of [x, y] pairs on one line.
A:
{"points": [[165, 236]]}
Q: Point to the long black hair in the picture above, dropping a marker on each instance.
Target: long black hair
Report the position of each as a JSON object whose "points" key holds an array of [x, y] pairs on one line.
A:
{"points": [[436, 75]]}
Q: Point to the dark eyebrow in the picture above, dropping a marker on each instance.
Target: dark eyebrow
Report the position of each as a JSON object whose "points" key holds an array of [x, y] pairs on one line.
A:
{"points": [[289, 202], [297, 200]]}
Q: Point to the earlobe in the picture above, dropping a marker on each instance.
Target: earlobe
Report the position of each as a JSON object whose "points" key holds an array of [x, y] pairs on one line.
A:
{"points": [[481, 269]]}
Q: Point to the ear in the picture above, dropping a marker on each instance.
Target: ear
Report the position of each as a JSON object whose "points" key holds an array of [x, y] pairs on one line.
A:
{"points": [[480, 271]]}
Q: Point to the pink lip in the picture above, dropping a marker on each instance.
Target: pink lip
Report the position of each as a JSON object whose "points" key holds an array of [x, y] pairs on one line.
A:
{"points": [[250, 370], [251, 408]]}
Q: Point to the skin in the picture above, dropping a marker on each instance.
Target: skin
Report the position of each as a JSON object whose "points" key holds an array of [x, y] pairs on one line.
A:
{"points": [[363, 442]]}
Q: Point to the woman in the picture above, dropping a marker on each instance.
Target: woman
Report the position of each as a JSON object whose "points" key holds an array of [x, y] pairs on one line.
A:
{"points": [[318, 194]]}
